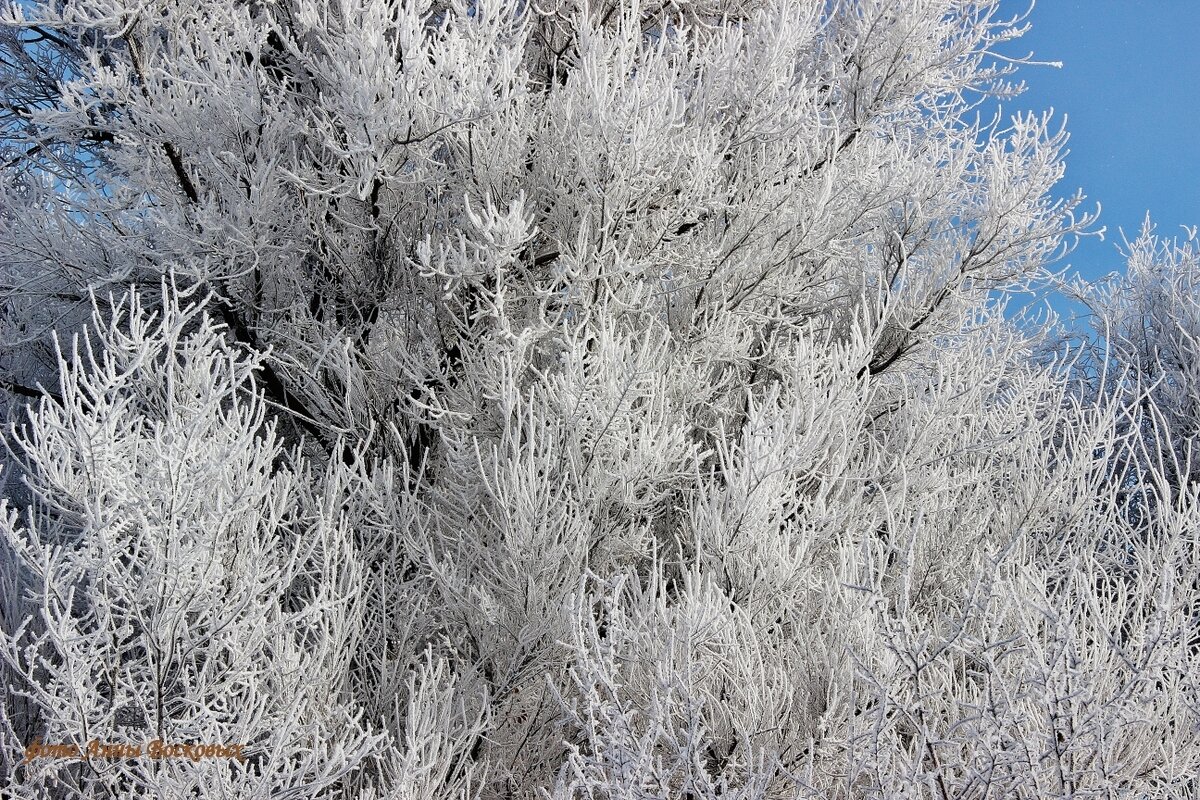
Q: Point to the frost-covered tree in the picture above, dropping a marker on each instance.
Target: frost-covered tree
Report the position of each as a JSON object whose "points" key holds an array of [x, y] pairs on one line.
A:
{"points": [[374, 189], [608, 398], [185, 580], [189, 587], [1146, 349]]}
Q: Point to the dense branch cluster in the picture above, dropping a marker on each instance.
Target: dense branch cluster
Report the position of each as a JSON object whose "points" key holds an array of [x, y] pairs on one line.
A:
{"points": [[575, 400]]}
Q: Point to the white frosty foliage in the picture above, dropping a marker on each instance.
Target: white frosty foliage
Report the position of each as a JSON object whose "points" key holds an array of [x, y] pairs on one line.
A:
{"points": [[575, 400], [186, 581]]}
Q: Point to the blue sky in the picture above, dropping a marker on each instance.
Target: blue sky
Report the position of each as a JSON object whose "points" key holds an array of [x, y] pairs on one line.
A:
{"points": [[1130, 89]]}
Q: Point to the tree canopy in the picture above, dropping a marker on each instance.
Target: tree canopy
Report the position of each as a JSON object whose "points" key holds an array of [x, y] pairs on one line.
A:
{"points": [[574, 400]]}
